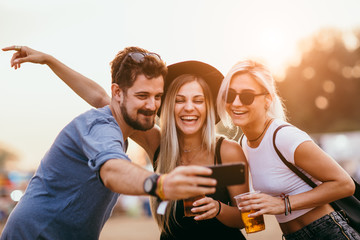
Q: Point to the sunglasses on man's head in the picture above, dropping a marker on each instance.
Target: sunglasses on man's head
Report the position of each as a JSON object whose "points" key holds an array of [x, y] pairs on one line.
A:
{"points": [[246, 98], [140, 56]]}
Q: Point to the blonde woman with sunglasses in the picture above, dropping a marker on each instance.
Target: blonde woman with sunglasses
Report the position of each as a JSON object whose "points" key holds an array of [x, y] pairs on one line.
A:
{"points": [[247, 99]]}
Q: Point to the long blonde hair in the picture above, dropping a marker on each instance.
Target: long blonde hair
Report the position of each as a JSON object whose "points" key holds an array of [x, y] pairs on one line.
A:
{"points": [[169, 156], [262, 75]]}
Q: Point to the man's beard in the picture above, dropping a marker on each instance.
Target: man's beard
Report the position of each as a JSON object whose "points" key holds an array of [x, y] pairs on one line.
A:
{"points": [[135, 124]]}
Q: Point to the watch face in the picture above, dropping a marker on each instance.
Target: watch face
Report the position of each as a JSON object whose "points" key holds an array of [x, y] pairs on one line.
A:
{"points": [[148, 185]]}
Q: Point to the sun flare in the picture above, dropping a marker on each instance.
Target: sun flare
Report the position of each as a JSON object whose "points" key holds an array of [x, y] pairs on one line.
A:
{"points": [[276, 47]]}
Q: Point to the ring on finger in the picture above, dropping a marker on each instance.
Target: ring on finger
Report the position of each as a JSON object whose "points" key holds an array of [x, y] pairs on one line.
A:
{"points": [[17, 48]]}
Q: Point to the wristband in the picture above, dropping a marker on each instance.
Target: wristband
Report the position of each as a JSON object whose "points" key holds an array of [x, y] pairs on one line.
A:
{"points": [[160, 187], [219, 208]]}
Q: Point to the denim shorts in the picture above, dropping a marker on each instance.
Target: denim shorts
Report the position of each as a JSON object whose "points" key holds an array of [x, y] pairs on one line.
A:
{"points": [[332, 226]]}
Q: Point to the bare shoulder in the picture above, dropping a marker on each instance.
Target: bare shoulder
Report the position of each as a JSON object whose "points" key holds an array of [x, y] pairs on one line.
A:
{"points": [[231, 152]]}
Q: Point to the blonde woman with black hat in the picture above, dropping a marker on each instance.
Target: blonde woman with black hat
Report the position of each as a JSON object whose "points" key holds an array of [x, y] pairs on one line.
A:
{"points": [[188, 137]]}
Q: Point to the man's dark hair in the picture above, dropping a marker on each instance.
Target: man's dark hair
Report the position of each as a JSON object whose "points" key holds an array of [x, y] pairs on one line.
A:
{"points": [[125, 73]]}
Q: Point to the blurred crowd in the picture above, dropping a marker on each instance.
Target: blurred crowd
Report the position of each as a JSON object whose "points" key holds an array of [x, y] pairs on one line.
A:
{"points": [[12, 187]]}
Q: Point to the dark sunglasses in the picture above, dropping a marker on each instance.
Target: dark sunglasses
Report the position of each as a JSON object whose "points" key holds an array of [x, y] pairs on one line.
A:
{"points": [[139, 57], [246, 98]]}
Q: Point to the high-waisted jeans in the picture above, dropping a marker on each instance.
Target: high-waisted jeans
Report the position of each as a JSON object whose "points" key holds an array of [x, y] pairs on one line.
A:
{"points": [[332, 226]]}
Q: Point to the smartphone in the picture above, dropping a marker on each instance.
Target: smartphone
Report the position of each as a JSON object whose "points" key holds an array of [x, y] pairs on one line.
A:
{"points": [[228, 174]]}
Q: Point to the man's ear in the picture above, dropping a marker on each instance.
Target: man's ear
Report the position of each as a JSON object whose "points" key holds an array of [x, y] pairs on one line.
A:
{"points": [[116, 92]]}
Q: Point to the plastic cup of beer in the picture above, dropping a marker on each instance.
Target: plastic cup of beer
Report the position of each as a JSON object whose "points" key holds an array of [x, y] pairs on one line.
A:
{"points": [[188, 205], [252, 224]]}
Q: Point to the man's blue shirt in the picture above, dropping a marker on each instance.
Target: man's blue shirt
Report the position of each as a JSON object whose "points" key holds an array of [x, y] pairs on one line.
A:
{"points": [[66, 199]]}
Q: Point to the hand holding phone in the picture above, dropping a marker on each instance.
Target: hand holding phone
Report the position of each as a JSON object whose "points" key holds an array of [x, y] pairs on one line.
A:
{"points": [[228, 174]]}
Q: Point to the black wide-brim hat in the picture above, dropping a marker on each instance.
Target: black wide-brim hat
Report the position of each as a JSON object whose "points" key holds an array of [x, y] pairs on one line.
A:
{"points": [[211, 75]]}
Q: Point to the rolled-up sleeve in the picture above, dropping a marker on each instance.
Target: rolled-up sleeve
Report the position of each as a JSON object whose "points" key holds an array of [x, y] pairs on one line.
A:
{"points": [[104, 141]]}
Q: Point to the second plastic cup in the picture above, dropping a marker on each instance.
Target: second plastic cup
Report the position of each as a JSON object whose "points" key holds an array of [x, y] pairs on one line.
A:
{"points": [[254, 224]]}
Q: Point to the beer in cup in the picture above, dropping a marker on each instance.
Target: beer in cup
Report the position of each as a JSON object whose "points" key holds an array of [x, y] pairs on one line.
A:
{"points": [[188, 205], [252, 224]]}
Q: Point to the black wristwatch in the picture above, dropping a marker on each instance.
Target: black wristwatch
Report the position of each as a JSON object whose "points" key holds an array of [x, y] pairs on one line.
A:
{"points": [[150, 184]]}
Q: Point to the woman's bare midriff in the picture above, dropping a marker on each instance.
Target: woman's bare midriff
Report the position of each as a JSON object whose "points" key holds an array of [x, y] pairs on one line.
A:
{"points": [[307, 218]]}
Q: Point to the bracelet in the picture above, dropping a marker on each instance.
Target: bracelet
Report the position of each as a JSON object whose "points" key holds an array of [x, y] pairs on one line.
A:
{"points": [[219, 208], [160, 187], [285, 197]]}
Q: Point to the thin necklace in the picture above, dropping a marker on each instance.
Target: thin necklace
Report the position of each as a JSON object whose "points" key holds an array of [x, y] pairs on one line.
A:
{"points": [[191, 149], [267, 124]]}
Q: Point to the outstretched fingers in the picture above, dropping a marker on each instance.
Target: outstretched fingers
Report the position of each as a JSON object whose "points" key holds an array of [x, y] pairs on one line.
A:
{"points": [[14, 47], [25, 54], [16, 59]]}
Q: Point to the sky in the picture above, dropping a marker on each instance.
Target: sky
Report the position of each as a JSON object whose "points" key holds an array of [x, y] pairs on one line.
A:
{"points": [[35, 105]]}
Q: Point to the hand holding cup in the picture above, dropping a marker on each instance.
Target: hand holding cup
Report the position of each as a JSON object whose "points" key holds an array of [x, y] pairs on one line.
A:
{"points": [[252, 224]]}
